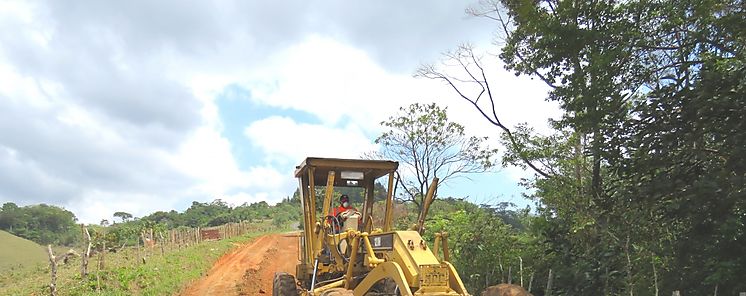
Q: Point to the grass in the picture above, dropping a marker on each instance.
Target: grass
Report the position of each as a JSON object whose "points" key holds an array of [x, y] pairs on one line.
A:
{"points": [[162, 274], [19, 253]]}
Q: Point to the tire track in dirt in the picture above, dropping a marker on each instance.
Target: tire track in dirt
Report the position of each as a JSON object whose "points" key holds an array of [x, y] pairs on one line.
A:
{"points": [[249, 269]]}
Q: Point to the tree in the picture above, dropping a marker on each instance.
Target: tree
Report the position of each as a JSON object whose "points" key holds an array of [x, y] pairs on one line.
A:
{"points": [[641, 188], [123, 215], [42, 223], [200, 214], [427, 146], [9, 216]]}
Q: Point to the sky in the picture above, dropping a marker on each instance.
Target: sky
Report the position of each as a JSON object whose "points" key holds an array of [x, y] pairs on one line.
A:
{"points": [[140, 106]]}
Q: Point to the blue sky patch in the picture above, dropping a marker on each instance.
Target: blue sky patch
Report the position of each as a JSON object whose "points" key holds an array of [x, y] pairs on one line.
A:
{"points": [[237, 110], [486, 188]]}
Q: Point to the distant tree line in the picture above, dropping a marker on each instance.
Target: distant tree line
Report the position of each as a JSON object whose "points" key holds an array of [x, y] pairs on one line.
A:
{"points": [[41, 223], [47, 224]]}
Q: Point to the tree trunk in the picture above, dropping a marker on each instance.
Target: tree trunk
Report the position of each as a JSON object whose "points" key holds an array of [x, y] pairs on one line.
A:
{"points": [[520, 262], [510, 275], [630, 284], [655, 277]]}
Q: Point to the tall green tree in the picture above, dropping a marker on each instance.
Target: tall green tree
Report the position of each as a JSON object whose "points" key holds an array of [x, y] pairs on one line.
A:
{"points": [[123, 215], [642, 186]]}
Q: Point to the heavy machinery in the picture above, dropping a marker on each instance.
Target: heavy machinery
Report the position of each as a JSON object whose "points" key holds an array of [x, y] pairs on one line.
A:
{"points": [[355, 258]]}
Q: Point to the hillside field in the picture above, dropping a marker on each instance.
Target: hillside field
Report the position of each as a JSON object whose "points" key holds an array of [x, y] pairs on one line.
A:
{"points": [[167, 269], [18, 253]]}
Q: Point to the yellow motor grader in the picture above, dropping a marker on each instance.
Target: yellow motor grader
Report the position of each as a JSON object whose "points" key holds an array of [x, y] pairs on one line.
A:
{"points": [[346, 255]]}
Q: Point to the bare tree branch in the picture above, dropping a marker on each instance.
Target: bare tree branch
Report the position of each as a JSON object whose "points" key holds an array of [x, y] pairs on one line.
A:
{"points": [[467, 52]]}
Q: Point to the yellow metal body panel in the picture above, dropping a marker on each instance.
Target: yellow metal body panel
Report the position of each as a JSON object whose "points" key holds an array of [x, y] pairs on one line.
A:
{"points": [[385, 270], [389, 205], [433, 276], [411, 258], [455, 280], [410, 263], [325, 211]]}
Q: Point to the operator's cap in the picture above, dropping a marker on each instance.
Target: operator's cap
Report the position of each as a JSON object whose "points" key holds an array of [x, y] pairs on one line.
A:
{"points": [[344, 198]]}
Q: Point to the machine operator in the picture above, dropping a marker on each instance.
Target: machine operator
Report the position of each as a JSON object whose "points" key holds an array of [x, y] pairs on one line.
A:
{"points": [[344, 210]]}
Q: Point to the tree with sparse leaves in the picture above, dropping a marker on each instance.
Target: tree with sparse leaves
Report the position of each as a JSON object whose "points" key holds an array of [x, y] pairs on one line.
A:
{"points": [[428, 145]]}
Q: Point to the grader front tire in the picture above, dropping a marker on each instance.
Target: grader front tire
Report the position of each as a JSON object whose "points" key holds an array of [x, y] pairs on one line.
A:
{"points": [[284, 285]]}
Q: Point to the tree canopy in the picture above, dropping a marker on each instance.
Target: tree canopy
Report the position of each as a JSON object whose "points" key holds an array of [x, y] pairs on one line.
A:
{"points": [[642, 187], [43, 224]]}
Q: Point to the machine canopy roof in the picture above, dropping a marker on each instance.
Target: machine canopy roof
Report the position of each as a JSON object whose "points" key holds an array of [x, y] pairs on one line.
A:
{"points": [[349, 172]]}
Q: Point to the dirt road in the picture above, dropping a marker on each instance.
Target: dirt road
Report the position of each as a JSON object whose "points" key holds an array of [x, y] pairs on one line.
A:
{"points": [[248, 270]]}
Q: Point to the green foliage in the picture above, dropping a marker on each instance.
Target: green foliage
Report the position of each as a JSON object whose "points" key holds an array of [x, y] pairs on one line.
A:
{"points": [[200, 214], [486, 242], [641, 188], [46, 224], [42, 223]]}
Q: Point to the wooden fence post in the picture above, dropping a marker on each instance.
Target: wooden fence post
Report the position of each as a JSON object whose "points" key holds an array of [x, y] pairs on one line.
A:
{"points": [[161, 243], [53, 267], [137, 248], [86, 254], [99, 267]]}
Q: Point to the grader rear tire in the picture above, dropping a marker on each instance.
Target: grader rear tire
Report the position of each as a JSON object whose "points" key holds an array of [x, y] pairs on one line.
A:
{"points": [[284, 285], [337, 292]]}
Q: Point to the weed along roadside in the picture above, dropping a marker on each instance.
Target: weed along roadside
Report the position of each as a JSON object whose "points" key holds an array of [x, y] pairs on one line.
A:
{"points": [[155, 269]]}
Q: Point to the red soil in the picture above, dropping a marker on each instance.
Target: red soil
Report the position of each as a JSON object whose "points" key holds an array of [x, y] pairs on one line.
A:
{"points": [[249, 269]]}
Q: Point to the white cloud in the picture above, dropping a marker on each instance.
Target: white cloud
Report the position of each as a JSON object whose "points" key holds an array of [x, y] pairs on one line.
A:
{"points": [[110, 107], [282, 139], [332, 80], [206, 156]]}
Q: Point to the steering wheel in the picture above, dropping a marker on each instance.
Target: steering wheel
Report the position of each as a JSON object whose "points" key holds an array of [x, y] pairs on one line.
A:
{"points": [[335, 221]]}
